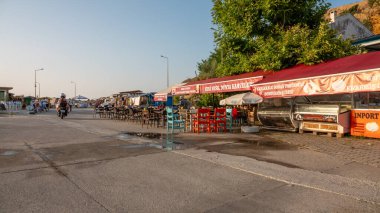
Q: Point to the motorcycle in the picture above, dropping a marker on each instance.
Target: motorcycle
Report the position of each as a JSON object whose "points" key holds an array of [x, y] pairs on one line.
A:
{"points": [[62, 112]]}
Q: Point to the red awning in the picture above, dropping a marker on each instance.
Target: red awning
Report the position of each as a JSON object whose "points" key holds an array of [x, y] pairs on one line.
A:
{"points": [[234, 83], [358, 73]]}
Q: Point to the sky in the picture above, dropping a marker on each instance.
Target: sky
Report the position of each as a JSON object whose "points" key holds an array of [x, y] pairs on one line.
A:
{"points": [[104, 46]]}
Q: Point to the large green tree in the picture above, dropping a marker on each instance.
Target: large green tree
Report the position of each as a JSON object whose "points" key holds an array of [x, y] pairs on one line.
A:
{"points": [[207, 67], [271, 35]]}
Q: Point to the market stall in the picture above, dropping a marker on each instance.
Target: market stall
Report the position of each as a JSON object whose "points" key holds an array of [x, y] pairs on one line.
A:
{"points": [[277, 114], [228, 84], [357, 75], [323, 118]]}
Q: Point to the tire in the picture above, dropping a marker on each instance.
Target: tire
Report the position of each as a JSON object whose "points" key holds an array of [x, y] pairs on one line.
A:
{"points": [[62, 115]]}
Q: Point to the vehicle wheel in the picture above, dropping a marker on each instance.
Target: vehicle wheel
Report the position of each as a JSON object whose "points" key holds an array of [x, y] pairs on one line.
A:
{"points": [[62, 115]]}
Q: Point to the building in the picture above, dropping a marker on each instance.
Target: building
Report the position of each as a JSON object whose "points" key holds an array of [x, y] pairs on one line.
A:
{"points": [[348, 26], [4, 93], [351, 28], [370, 43]]}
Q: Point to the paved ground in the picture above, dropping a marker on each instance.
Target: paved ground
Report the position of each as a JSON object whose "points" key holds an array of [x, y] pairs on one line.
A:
{"points": [[82, 164]]}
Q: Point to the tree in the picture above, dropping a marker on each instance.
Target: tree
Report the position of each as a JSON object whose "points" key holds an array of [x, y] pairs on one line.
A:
{"points": [[373, 3], [273, 34], [352, 10], [205, 100], [207, 67]]}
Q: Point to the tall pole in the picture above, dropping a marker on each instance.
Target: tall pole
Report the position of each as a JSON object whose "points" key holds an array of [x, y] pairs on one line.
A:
{"points": [[167, 70], [39, 89], [75, 88], [35, 81]]}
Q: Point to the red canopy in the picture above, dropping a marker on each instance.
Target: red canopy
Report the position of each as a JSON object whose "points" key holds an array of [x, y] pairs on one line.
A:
{"points": [[233, 83], [358, 73]]}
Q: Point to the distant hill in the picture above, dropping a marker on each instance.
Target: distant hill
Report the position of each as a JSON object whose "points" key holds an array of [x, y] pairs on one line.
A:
{"points": [[361, 10]]}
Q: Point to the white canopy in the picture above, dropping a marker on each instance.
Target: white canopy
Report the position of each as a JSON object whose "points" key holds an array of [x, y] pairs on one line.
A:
{"points": [[242, 99], [80, 98]]}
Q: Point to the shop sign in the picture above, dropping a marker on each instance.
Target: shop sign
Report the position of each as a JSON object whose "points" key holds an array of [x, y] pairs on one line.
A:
{"points": [[184, 90], [160, 97], [332, 84], [229, 86], [315, 117], [365, 123]]}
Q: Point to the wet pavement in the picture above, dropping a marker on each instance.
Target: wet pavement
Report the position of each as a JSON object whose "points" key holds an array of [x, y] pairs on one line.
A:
{"points": [[99, 165]]}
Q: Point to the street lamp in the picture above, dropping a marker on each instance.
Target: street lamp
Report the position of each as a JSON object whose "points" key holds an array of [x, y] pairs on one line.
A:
{"points": [[75, 88], [39, 89], [35, 81], [167, 70]]}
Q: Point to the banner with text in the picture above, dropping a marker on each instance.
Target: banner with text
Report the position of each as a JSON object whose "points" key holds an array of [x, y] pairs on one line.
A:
{"points": [[160, 97], [235, 85], [345, 83], [184, 90]]}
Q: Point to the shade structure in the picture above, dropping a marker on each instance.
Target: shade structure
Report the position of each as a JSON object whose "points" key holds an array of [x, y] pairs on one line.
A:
{"points": [[357, 73], [242, 99], [163, 94], [80, 98], [235, 83]]}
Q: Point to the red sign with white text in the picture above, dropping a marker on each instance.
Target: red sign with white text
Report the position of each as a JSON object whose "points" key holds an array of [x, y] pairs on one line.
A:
{"points": [[229, 86], [184, 90], [160, 97]]}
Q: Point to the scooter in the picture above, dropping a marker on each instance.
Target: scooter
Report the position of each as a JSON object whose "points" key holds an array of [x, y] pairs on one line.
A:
{"points": [[62, 113]]}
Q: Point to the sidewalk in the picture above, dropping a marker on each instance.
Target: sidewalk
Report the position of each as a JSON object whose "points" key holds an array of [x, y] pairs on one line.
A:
{"points": [[361, 150], [350, 149]]}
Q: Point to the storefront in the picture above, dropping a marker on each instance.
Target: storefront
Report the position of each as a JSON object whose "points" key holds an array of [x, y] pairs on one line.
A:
{"points": [[349, 84], [228, 84], [4, 93]]}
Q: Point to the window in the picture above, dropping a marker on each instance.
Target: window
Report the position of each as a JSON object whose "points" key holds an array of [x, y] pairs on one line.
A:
{"points": [[367, 100], [331, 99]]}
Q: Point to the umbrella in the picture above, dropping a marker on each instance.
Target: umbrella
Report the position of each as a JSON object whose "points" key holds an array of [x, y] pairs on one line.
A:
{"points": [[241, 99]]}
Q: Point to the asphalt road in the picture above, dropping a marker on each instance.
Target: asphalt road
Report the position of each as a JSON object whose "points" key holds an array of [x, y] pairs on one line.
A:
{"points": [[82, 164]]}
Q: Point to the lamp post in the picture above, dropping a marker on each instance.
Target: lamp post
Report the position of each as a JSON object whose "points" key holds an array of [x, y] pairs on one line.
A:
{"points": [[39, 89], [167, 70], [35, 81], [75, 88]]}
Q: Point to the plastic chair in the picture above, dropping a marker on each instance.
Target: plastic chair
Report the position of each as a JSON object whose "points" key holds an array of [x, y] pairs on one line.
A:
{"points": [[185, 116], [173, 121], [220, 120], [229, 119], [202, 121]]}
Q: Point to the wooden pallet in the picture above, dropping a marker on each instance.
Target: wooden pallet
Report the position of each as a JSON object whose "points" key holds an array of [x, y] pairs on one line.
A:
{"points": [[330, 134]]}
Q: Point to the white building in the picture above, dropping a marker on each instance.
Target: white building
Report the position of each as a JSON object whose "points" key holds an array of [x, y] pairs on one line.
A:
{"points": [[4, 93]]}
